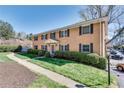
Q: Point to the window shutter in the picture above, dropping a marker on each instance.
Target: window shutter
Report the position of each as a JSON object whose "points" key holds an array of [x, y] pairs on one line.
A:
{"points": [[46, 36], [62, 33], [55, 35], [91, 28], [80, 28], [68, 32], [68, 47], [60, 48], [91, 47], [59, 33], [50, 35], [79, 47], [46, 47], [41, 37]]}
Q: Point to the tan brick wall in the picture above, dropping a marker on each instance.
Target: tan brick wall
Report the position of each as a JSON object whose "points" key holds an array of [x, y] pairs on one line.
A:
{"points": [[75, 39]]}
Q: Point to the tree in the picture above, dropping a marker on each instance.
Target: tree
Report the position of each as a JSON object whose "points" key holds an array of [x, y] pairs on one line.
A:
{"points": [[21, 35], [6, 30], [30, 36], [114, 13]]}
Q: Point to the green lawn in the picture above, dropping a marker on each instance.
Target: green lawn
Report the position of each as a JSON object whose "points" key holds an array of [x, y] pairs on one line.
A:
{"points": [[24, 55], [43, 81], [88, 75], [40, 81], [4, 58]]}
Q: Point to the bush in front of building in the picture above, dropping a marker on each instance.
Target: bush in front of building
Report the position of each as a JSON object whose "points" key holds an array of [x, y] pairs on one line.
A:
{"points": [[89, 58], [8, 48], [33, 51], [18, 49], [41, 53], [47, 54], [36, 52], [102, 62]]}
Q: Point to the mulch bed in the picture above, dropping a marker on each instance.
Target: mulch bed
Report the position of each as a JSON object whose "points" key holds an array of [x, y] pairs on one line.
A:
{"points": [[14, 75]]}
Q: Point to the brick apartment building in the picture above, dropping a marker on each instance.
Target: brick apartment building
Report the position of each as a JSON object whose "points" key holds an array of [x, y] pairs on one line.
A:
{"points": [[86, 36]]}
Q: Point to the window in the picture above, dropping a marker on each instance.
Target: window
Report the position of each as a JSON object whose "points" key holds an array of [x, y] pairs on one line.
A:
{"points": [[86, 48], [64, 33], [64, 47], [53, 35], [35, 37], [86, 29], [44, 47], [44, 37], [35, 47]]}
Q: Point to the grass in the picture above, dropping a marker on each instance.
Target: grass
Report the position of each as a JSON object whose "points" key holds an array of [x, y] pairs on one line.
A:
{"points": [[24, 55], [44, 82], [40, 81], [88, 75], [4, 58]]}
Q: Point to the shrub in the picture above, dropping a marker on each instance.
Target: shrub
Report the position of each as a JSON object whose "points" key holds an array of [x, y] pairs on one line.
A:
{"points": [[89, 59], [102, 62], [41, 53], [47, 54], [19, 49], [8, 48], [33, 51]]}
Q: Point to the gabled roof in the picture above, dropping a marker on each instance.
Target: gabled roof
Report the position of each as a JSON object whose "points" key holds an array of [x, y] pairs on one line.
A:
{"points": [[76, 25], [50, 41]]}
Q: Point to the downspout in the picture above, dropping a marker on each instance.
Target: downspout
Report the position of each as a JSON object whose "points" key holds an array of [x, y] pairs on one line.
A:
{"points": [[100, 38], [103, 41]]}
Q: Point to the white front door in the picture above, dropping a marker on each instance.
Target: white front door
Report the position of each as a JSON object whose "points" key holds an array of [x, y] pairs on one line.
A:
{"points": [[52, 49]]}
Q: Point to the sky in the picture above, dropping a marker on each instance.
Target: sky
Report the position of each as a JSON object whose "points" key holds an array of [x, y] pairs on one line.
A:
{"points": [[35, 19]]}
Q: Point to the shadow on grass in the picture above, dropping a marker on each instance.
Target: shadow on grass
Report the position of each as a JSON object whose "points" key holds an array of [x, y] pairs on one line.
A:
{"points": [[27, 55], [54, 61]]}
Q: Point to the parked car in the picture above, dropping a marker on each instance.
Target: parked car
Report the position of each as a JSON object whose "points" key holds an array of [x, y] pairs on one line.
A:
{"points": [[120, 66], [113, 52], [117, 56]]}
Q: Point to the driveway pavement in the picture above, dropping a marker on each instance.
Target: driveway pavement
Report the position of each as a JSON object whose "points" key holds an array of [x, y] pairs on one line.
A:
{"points": [[119, 74], [14, 75]]}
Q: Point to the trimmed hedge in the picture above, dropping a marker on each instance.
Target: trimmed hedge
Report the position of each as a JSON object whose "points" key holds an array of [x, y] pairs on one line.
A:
{"points": [[36, 52], [18, 49], [89, 59], [41, 53], [47, 54], [33, 51], [8, 48]]}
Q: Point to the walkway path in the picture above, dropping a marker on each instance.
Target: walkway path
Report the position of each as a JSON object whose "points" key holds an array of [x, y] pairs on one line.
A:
{"points": [[52, 75]]}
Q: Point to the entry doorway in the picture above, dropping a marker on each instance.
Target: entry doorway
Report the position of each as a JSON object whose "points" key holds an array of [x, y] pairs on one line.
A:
{"points": [[52, 50]]}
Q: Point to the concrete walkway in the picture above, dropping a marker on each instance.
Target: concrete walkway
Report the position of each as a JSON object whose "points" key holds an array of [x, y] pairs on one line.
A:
{"points": [[52, 75]]}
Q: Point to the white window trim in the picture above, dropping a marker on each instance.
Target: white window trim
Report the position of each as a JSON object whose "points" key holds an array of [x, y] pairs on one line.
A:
{"points": [[64, 33], [44, 47], [64, 49], [85, 26], [44, 36], [85, 51], [52, 34]]}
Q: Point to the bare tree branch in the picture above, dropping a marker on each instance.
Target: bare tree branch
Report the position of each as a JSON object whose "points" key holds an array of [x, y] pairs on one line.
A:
{"points": [[119, 32]]}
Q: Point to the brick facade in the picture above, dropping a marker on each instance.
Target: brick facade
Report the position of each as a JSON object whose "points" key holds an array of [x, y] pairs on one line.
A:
{"points": [[97, 38]]}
